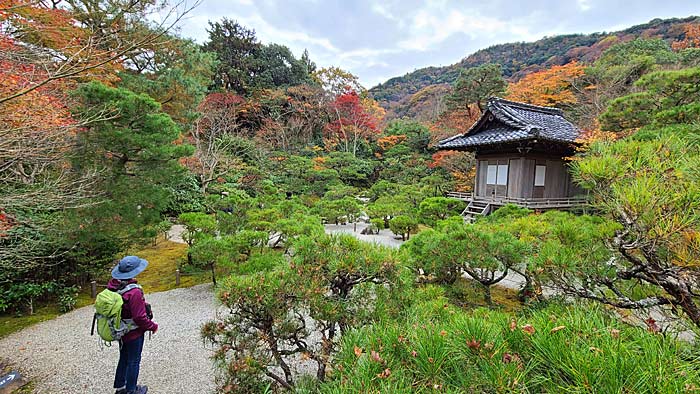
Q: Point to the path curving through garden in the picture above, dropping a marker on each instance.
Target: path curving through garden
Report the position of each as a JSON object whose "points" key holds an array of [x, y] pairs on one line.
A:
{"points": [[60, 356]]}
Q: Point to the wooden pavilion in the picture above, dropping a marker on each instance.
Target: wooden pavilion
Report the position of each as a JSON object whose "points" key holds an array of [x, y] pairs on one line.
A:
{"points": [[520, 152]]}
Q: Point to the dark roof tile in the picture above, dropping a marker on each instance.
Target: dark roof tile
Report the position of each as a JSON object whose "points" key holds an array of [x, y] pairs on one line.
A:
{"points": [[513, 121]]}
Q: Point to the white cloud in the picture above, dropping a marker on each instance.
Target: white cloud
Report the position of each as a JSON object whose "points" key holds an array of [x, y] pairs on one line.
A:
{"points": [[583, 5], [365, 53], [269, 33], [433, 25], [380, 9]]}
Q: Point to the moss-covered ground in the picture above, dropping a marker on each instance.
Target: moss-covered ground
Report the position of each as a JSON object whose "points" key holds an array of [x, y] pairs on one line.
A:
{"points": [[469, 294], [163, 259]]}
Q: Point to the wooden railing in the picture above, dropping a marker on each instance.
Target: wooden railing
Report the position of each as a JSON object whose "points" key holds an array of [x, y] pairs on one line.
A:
{"points": [[460, 195], [532, 203]]}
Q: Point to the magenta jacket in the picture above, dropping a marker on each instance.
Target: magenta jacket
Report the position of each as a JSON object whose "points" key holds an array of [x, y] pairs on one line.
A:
{"points": [[134, 308]]}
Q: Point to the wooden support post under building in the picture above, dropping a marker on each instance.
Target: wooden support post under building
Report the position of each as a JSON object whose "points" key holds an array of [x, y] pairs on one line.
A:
{"points": [[177, 277], [93, 289]]}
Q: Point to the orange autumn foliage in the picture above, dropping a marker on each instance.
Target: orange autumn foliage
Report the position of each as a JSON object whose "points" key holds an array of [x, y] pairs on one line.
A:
{"points": [[464, 181], [460, 165], [691, 39], [57, 43], [39, 24], [6, 223], [319, 163], [36, 127], [595, 134], [43, 108], [453, 122], [550, 87], [386, 143], [440, 158]]}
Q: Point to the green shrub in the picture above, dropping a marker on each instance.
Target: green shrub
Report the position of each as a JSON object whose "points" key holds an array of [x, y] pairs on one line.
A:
{"points": [[260, 262], [484, 254], [403, 225], [21, 297], [376, 225], [433, 209], [280, 311], [67, 298], [509, 212]]}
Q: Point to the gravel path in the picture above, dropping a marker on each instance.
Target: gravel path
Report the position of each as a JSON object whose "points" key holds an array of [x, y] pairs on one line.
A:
{"points": [[385, 237], [60, 356], [175, 233]]}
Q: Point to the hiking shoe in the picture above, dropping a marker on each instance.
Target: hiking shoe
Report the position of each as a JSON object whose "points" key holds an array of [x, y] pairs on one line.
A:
{"points": [[139, 390]]}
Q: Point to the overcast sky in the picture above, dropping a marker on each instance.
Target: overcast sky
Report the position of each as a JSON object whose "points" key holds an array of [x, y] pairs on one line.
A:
{"points": [[377, 40]]}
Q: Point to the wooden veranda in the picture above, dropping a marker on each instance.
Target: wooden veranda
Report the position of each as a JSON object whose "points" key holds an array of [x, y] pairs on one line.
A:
{"points": [[478, 205]]}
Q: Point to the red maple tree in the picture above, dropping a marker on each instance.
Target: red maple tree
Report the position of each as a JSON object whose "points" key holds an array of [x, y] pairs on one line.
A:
{"points": [[351, 123]]}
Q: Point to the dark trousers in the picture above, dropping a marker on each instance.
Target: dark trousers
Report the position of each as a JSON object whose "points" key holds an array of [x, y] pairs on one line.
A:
{"points": [[129, 364]]}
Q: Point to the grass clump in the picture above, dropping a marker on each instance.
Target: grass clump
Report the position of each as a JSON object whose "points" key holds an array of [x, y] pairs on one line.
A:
{"points": [[559, 348]]}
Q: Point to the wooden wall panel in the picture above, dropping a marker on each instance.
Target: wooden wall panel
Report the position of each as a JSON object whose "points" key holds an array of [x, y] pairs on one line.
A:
{"points": [[482, 168], [521, 177], [556, 180], [528, 180], [515, 177]]}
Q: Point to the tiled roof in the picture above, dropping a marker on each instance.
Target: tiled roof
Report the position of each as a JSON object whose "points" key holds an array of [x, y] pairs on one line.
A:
{"points": [[509, 121]]}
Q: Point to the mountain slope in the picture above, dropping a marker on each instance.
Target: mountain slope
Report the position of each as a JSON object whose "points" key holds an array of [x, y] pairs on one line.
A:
{"points": [[519, 59]]}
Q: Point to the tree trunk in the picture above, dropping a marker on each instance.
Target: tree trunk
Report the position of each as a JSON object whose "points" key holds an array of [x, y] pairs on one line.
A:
{"points": [[326, 349], [487, 295], [680, 291], [213, 274], [675, 283], [529, 289], [288, 381]]}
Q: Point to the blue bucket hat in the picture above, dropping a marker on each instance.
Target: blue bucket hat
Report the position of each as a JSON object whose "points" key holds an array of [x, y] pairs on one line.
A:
{"points": [[129, 267]]}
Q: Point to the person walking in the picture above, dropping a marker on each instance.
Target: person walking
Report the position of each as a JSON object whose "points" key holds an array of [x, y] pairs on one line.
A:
{"points": [[135, 308]]}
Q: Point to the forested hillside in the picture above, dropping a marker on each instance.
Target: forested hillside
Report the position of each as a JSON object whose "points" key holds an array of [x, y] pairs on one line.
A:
{"points": [[517, 60]]}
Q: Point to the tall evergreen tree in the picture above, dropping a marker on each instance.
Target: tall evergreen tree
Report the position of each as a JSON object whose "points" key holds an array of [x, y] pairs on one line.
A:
{"points": [[246, 65], [235, 47], [136, 150], [475, 85]]}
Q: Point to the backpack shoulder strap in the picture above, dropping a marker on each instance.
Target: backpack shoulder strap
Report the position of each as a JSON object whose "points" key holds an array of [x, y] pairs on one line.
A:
{"points": [[128, 288]]}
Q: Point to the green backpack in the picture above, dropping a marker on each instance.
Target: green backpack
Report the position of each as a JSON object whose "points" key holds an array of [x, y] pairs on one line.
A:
{"points": [[108, 315]]}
